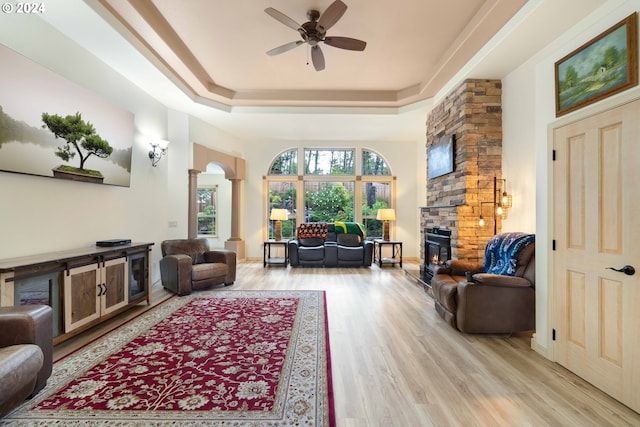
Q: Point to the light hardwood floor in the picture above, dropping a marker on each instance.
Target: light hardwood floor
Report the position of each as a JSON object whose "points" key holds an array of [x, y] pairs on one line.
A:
{"points": [[396, 363]]}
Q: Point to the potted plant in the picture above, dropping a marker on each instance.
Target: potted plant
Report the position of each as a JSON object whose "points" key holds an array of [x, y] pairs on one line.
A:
{"points": [[81, 139]]}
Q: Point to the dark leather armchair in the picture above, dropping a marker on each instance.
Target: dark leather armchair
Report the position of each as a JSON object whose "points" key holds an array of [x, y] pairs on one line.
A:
{"points": [[26, 353], [189, 264], [496, 296]]}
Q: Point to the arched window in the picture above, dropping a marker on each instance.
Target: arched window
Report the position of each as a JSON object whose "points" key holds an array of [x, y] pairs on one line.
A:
{"points": [[332, 189]]}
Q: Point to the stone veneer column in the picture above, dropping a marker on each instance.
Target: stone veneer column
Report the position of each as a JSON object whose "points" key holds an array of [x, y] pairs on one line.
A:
{"points": [[473, 114]]}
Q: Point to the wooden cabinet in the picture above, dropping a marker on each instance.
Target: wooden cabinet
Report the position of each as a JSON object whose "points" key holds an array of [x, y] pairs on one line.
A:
{"points": [[94, 290], [83, 286]]}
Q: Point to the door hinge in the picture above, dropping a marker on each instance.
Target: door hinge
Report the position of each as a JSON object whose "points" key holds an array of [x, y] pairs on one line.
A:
{"points": [[553, 155], [553, 334], [553, 245]]}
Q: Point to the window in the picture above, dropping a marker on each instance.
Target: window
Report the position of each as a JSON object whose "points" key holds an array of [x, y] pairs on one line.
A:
{"points": [[373, 164], [328, 162], [283, 195], [207, 211], [285, 164], [330, 188], [329, 201]]}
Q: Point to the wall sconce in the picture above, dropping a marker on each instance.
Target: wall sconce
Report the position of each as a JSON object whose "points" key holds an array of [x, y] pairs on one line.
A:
{"points": [[505, 198], [158, 149], [386, 215], [482, 221], [501, 202], [279, 215]]}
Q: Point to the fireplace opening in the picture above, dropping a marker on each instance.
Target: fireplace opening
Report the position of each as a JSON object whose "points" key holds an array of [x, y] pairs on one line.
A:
{"points": [[437, 250]]}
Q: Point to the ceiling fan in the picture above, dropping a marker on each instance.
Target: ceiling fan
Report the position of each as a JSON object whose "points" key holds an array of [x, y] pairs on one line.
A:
{"points": [[314, 32]]}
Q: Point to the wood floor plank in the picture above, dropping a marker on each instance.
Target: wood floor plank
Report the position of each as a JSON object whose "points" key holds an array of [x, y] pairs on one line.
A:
{"points": [[396, 363]]}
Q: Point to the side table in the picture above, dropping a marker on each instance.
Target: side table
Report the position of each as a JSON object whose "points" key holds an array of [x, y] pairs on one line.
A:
{"points": [[266, 256], [396, 252]]}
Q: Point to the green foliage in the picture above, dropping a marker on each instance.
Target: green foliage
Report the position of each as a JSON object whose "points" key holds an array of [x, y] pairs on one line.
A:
{"points": [[611, 57], [78, 134], [373, 164], [90, 172], [333, 202], [571, 77], [285, 164]]}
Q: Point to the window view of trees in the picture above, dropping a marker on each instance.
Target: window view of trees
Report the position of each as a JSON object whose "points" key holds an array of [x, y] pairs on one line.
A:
{"points": [[282, 195], [328, 162], [373, 164], [333, 198], [329, 201], [375, 195], [285, 164], [207, 211]]}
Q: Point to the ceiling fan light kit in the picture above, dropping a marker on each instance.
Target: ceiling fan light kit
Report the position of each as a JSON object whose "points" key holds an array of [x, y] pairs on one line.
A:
{"points": [[314, 32]]}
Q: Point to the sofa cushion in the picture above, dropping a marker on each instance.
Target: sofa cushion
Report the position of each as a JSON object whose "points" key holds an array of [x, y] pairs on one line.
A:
{"points": [[349, 240], [19, 366], [503, 250], [310, 241], [195, 248], [207, 271], [315, 253], [349, 253]]}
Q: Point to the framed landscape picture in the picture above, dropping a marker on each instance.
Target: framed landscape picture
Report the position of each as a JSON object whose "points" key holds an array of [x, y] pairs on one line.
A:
{"points": [[440, 158], [603, 66]]}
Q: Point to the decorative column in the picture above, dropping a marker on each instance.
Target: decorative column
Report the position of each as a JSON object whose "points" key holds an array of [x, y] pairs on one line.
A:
{"points": [[235, 242], [193, 204]]}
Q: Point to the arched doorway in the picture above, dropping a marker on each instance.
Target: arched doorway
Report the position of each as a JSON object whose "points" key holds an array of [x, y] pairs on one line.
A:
{"points": [[235, 171]]}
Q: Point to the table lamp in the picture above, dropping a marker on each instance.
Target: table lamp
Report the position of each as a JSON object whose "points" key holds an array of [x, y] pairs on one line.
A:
{"points": [[386, 215], [279, 215]]}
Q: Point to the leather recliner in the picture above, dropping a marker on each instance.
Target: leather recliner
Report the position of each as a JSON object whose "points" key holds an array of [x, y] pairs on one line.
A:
{"points": [[496, 296], [323, 246], [189, 264], [26, 353]]}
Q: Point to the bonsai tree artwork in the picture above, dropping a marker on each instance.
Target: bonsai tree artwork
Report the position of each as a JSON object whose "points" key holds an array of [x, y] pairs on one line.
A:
{"points": [[81, 140]]}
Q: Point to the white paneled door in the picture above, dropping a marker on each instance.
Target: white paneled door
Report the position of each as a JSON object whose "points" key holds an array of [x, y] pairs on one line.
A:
{"points": [[596, 230]]}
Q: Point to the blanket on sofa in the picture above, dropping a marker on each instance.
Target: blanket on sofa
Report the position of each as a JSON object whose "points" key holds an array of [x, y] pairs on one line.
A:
{"points": [[350, 228], [501, 255]]}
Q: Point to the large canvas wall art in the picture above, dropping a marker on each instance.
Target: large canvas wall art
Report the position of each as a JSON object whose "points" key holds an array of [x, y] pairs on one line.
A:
{"points": [[52, 127]]}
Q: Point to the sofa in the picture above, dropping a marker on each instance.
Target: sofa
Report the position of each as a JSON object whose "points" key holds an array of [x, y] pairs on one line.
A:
{"points": [[189, 264], [339, 244], [26, 353], [495, 296]]}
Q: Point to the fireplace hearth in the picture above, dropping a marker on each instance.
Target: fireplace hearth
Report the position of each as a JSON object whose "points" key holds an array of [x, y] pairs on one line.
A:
{"points": [[437, 250]]}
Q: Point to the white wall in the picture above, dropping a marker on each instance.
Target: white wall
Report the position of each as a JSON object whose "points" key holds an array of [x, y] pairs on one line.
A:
{"points": [[528, 116], [41, 214]]}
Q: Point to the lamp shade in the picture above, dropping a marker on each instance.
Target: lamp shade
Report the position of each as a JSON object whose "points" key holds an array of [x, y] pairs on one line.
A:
{"points": [[386, 214], [279, 215]]}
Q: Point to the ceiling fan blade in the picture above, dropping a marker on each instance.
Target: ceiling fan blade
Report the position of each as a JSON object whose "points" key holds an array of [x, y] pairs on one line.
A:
{"points": [[332, 14], [279, 16], [345, 43], [285, 47], [317, 57]]}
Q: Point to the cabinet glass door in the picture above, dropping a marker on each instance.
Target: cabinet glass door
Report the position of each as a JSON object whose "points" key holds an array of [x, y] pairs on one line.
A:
{"points": [[138, 279]]}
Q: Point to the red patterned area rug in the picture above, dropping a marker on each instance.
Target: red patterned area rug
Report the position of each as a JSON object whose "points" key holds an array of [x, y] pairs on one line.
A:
{"points": [[222, 358]]}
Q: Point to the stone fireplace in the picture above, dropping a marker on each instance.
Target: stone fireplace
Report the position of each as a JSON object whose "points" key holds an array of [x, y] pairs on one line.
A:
{"points": [[473, 114]]}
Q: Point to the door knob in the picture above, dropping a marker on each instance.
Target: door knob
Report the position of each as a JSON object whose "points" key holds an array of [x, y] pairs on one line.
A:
{"points": [[627, 269]]}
